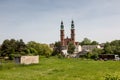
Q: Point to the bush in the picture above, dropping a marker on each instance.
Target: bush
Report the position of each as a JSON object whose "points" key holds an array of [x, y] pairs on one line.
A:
{"points": [[60, 56], [109, 77], [11, 56]]}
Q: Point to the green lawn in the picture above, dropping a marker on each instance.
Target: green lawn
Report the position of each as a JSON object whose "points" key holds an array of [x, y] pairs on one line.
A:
{"points": [[60, 69]]}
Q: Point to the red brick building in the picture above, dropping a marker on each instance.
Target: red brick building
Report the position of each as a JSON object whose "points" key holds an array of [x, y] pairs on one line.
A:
{"points": [[65, 41]]}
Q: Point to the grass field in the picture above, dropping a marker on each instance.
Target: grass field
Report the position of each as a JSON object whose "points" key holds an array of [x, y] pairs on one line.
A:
{"points": [[60, 69]]}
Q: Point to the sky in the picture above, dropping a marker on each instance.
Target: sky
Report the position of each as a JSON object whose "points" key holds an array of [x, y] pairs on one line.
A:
{"points": [[39, 20]]}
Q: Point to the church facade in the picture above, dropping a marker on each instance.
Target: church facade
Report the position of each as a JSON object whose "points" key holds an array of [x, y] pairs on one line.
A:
{"points": [[65, 41]]}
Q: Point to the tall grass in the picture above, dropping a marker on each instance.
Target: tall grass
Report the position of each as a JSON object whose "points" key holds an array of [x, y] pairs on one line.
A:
{"points": [[60, 69], [111, 77]]}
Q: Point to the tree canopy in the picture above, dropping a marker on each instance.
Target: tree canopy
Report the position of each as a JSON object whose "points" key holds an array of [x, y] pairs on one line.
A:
{"points": [[112, 47], [71, 48], [57, 48], [87, 41], [12, 47]]}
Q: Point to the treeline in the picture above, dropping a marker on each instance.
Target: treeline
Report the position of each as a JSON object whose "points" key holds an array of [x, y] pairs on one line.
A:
{"points": [[11, 48], [87, 41], [112, 47]]}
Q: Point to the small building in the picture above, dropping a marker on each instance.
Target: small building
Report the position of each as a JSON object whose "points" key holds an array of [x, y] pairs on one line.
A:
{"points": [[27, 60], [65, 53], [90, 47], [78, 48]]}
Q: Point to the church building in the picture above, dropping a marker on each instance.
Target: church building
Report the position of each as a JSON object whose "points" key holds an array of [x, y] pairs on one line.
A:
{"points": [[65, 41]]}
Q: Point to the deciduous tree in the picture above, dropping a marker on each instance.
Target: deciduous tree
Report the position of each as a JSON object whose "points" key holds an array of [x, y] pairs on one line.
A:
{"points": [[86, 41], [71, 48]]}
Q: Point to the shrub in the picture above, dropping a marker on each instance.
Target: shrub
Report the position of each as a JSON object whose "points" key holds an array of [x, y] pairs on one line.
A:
{"points": [[111, 77]]}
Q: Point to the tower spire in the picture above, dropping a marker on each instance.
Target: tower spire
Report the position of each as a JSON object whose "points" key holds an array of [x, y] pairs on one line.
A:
{"points": [[72, 24], [72, 32], [62, 26], [62, 34]]}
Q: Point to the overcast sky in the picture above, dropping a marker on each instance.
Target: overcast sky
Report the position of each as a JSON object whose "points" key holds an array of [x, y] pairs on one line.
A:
{"points": [[39, 20]]}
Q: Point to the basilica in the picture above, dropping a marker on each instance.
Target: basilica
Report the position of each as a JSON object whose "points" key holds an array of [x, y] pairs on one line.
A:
{"points": [[65, 41]]}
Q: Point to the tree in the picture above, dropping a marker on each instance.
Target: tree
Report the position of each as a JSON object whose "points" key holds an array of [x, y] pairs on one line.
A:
{"points": [[36, 46], [88, 55], [39, 49], [57, 48], [116, 46], [5, 48], [9, 48], [86, 41], [108, 49], [112, 47], [21, 47], [115, 43], [0, 50], [47, 51], [94, 43], [71, 48], [32, 51], [96, 52], [33, 48], [117, 50]]}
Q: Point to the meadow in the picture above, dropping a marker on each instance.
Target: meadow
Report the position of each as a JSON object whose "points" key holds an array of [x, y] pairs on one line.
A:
{"points": [[54, 68]]}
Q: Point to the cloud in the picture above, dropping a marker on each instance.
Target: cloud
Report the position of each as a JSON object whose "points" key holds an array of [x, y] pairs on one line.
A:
{"points": [[39, 20]]}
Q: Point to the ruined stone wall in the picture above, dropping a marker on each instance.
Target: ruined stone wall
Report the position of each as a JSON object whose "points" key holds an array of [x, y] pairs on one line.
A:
{"points": [[29, 59]]}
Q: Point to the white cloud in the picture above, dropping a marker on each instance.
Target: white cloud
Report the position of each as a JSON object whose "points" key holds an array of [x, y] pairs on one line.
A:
{"points": [[40, 20]]}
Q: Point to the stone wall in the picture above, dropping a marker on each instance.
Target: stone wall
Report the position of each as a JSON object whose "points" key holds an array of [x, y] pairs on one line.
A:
{"points": [[29, 59]]}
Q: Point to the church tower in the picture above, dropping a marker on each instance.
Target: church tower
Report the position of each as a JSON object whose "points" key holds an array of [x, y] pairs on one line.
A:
{"points": [[62, 35], [72, 32]]}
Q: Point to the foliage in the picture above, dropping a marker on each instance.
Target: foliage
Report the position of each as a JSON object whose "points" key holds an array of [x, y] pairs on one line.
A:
{"points": [[111, 77], [94, 43], [94, 53], [34, 48], [88, 55], [116, 45], [60, 56], [11, 47], [39, 49], [87, 41], [57, 49], [112, 47], [71, 48], [108, 49], [46, 50]]}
